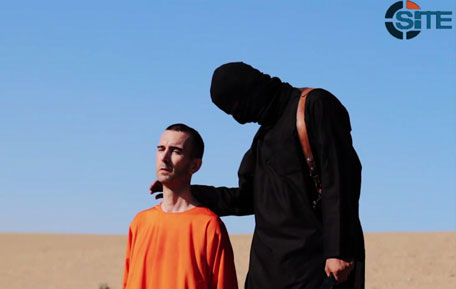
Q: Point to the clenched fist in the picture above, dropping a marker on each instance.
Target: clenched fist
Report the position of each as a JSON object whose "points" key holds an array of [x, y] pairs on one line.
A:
{"points": [[339, 268]]}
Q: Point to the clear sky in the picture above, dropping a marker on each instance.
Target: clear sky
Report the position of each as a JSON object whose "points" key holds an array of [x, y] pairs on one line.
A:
{"points": [[87, 88]]}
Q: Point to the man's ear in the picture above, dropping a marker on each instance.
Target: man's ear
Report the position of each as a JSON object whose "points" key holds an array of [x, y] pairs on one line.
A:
{"points": [[195, 165]]}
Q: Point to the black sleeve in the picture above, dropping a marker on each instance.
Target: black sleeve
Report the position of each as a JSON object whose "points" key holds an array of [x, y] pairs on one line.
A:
{"points": [[224, 201], [340, 172], [231, 201]]}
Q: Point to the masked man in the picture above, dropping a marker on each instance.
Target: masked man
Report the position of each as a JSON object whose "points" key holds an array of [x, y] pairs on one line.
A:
{"points": [[294, 245]]}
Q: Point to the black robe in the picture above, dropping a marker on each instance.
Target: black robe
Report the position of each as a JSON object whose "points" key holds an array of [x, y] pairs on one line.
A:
{"points": [[292, 240]]}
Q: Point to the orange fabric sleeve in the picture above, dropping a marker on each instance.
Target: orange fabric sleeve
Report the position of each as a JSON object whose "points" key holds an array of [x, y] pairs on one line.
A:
{"points": [[127, 259], [220, 257]]}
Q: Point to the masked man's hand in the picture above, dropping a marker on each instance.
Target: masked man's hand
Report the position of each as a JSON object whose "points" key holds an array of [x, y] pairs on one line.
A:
{"points": [[339, 268], [155, 188]]}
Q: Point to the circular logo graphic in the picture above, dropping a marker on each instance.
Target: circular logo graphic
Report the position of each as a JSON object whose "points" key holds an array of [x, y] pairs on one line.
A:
{"points": [[398, 29]]}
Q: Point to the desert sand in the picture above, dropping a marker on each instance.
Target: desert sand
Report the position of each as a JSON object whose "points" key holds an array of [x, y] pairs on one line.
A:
{"points": [[48, 261]]}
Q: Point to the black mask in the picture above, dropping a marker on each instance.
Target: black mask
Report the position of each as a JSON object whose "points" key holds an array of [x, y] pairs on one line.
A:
{"points": [[247, 94]]}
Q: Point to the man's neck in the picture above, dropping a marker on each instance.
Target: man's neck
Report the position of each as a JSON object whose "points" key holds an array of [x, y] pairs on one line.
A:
{"points": [[177, 199]]}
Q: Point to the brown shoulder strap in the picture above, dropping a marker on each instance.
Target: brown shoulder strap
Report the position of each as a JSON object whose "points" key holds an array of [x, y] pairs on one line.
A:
{"points": [[305, 144]]}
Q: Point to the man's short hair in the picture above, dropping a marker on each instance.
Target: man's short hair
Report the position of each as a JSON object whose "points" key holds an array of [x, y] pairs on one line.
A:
{"points": [[195, 138]]}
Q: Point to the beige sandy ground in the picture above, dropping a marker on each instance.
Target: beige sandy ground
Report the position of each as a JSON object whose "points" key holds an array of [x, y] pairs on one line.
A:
{"points": [[42, 261]]}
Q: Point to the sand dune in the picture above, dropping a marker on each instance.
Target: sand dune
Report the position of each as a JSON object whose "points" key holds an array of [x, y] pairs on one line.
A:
{"points": [[45, 261]]}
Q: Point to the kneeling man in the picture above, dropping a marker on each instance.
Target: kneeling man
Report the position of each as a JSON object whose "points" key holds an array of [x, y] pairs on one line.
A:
{"points": [[178, 244]]}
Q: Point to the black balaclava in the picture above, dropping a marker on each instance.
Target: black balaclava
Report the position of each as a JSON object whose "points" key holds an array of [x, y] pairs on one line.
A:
{"points": [[247, 94]]}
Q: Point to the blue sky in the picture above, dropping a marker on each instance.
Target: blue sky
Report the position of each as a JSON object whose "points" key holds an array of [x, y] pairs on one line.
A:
{"points": [[87, 88]]}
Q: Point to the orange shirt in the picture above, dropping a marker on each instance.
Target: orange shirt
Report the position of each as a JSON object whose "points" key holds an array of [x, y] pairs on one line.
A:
{"points": [[187, 250]]}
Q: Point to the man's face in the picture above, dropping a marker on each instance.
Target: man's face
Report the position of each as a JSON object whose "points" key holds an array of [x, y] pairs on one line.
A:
{"points": [[174, 164]]}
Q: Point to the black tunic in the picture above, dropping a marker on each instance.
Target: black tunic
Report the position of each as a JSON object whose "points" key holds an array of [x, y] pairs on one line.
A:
{"points": [[292, 240]]}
